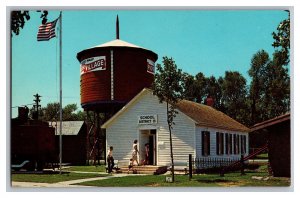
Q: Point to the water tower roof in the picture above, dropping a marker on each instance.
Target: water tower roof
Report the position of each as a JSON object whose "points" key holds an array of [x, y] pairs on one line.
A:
{"points": [[115, 44], [118, 43]]}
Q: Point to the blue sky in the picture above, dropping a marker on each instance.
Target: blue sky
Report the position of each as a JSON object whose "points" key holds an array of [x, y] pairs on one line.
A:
{"points": [[207, 41]]}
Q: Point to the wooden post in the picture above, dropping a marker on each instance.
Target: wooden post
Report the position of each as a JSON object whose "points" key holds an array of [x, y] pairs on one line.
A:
{"points": [[190, 167], [242, 165]]}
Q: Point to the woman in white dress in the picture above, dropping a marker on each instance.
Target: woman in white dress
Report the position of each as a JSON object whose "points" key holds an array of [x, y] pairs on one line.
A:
{"points": [[135, 152]]}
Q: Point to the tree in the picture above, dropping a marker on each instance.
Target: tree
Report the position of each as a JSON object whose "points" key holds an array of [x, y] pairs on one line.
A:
{"points": [[200, 87], [269, 88], [276, 99], [234, 95], [168, 87], [70, 113], [189, 87], [18, 19], [257, 71], [214, 90], [282, 41], [50, 112]]}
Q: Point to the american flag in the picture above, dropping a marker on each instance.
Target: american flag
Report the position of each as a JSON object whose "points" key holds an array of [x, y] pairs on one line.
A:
{"points": [[46, 31]]}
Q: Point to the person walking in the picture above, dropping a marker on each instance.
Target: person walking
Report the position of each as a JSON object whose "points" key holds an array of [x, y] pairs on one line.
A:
{"points": [[146, 160], [110, 159], [135, 152]]}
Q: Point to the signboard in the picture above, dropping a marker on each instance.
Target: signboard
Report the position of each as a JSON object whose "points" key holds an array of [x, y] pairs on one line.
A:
{"points": [[147, 119], [150, 66], [92, 64]]}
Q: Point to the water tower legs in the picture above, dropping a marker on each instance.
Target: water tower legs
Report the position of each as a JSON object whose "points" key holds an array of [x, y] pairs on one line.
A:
{"points": [[95, 137]]}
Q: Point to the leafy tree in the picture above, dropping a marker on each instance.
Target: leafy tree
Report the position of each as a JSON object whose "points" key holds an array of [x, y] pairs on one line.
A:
{"points": [[257, 71], [168, 87], [214, 90], [282, 41], [189, 87], [276, 99], [200, 87], [18, 19], [234, 94], [51, 112], [194, 87], [69, 112], [270, 87]]}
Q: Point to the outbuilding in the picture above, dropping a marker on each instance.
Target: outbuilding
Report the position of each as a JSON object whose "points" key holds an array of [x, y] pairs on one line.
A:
{"points": [[199, 130], [278, 137], [74, 149]]}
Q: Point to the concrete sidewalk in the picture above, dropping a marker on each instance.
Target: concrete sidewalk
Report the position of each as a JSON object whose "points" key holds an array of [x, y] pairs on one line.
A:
{"points": [[66, 184]]}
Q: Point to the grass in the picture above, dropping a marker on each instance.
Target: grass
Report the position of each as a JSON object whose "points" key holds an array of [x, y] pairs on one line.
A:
{"points": [[86, 168], [201, 180], [52, 178], [211, 180], [262, 156]]}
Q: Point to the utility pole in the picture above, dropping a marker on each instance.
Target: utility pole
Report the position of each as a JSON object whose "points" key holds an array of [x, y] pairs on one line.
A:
{"points": [[37, 105]]}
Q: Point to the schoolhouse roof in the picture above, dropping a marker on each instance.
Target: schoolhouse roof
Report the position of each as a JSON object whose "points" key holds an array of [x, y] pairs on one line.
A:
{"points": [[207, 116], [202, 115]]}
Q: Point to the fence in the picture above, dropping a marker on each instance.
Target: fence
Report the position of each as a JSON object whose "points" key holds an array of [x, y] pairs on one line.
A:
{"points": [[204, 165]]}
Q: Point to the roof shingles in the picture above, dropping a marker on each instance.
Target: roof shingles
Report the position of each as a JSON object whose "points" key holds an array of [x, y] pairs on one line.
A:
{"points": [[207, 116]]}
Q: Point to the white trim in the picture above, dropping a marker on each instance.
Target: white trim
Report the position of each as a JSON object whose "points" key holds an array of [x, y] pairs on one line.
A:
{"points": [[131, 102], [112, 74]]}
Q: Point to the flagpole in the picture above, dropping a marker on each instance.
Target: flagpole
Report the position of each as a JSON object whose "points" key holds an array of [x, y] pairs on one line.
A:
{"points": [[60, 92]]}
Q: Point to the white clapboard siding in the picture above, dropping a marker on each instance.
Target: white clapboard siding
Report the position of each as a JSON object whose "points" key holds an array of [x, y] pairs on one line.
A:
{"points": [[213, 152], [124, 129]]}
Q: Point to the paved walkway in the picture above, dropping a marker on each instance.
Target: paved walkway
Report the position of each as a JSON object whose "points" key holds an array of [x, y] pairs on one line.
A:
{"points": [[70, 183]]}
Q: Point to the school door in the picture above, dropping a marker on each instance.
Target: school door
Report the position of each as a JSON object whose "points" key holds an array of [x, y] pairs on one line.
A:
{"points": [[152, 147], [148, 136]]}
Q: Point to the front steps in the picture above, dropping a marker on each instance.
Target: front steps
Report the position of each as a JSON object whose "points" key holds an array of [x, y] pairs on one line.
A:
{"points": [[147, 169]]}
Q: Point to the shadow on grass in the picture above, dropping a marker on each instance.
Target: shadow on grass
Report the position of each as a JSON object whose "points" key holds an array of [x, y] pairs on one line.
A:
{"points": [[213, 180]]}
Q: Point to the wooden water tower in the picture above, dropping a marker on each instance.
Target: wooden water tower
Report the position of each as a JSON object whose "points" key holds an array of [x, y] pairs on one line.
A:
{"points": [[111, 74]]}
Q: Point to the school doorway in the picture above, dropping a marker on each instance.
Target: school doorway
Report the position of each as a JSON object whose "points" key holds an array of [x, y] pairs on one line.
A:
{"points": [[148, 137]]}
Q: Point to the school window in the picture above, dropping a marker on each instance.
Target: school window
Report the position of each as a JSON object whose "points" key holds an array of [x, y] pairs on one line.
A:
{"points": [[243, 144], [220, 143], [227, 143], [217, 143], [238, 144], [234, 144], [230, 144], [205, 143]]}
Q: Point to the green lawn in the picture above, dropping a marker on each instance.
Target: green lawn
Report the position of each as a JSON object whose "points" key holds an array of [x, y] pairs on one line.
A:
{"points": [[52, 178], [209, 180], [203, 180], [86, 168], [262, 156]]}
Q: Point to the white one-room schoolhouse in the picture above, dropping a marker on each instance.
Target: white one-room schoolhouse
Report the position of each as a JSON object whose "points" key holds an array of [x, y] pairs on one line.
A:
{"points": [[199, 130]]}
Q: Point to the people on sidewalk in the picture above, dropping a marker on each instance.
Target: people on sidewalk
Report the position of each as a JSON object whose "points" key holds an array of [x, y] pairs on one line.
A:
{"points": [[110, 159]]}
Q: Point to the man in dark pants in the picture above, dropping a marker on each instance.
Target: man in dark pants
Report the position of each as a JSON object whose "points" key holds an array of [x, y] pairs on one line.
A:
{"points": [[110, 159]]}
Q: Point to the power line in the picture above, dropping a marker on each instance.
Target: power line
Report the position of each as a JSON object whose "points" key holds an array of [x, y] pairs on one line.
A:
{"points": [[22, 105]]}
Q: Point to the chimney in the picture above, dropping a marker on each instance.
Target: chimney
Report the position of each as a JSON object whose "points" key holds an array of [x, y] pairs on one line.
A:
{"points": [[209, 101]]}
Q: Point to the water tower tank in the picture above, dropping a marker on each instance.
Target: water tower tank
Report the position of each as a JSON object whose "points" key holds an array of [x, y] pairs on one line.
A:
{"points": [[113, 73]]}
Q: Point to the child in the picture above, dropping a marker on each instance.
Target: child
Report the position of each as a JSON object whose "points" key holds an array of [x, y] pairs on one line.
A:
{"points": [[130, 166]]}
